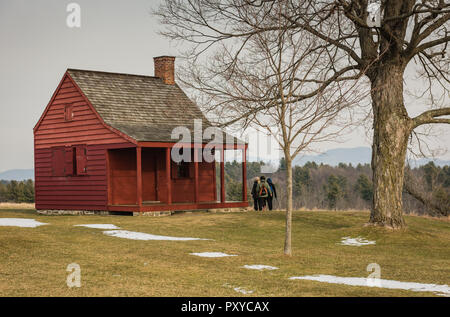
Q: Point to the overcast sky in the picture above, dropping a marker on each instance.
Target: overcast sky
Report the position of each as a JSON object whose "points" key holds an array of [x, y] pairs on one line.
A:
{"points": [[37, 47]]}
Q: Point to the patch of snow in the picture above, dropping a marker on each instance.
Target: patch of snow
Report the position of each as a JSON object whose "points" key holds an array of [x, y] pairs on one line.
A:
{"points": [[243, 291], [212, 254], [358, 241], [238, 289], [144, 236], [20, 222], [442, 290], [260, 267], [105, 226]]}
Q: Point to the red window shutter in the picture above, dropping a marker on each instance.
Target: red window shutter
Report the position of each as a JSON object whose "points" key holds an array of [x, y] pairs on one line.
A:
{"points": [[69, 162], [58, 161], [68, 113], [81, 160]]}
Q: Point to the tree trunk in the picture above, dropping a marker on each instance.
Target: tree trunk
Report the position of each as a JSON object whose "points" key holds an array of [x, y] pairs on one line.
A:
{"points": [[287, 241], [392, 128]]}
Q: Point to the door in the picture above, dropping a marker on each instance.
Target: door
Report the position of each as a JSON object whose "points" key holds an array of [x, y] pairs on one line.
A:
{"points": [[122, 177], [149, 175]]}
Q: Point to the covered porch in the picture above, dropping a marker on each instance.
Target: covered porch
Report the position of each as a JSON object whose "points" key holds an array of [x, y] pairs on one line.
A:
{"points": [[145, 178]]}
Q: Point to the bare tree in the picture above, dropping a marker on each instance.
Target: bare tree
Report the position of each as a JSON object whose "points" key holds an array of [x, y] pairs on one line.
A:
{"points": [[415, 187], [408, 31], [273, 86]]}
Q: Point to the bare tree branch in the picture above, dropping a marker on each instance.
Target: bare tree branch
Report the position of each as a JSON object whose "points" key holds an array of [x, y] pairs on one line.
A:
{"points": [[430, 116]]}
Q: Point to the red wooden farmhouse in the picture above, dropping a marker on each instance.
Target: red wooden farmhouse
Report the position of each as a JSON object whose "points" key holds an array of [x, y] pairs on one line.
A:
{"points": [[104, 144]]}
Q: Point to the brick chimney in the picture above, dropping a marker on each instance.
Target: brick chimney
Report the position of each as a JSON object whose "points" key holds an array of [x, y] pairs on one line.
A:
{"points": [[165, 69]]}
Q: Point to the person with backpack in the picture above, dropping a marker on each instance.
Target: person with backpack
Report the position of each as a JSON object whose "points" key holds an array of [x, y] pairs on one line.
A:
{"points": [[255, 194], [264, 192], [274, 193]]}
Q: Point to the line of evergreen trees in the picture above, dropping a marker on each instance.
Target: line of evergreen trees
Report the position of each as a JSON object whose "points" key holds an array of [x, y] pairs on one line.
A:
{"points": [[314, 186], [340, 187], [17, 192]]}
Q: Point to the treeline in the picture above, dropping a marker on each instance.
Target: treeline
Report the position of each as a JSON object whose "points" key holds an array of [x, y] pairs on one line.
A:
{"points": [[17, 192], [429, 185], [346, 186], [427, 188]]}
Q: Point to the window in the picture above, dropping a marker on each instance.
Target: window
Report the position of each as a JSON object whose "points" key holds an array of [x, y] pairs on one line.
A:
{"points": [[68, 112], [183, 170], [69, 161]]}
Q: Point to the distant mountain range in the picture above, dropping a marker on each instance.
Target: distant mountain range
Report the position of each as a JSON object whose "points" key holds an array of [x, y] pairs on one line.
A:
{"points": [[17, 175], [355, 156]]}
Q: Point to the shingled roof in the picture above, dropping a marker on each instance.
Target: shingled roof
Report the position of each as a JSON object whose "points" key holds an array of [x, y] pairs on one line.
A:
{"points": [[142, 107]]}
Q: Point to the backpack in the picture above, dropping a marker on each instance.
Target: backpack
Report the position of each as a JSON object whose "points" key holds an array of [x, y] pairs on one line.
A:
{"points": [[271, 187], [263, 192]]}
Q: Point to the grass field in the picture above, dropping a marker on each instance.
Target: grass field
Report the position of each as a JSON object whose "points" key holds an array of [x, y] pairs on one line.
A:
{"points": [[33, 261]]}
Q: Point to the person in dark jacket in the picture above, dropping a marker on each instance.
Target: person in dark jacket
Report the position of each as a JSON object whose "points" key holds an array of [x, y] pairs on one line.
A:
{"points": [[274, 193], [264, 191], [255, 194]]}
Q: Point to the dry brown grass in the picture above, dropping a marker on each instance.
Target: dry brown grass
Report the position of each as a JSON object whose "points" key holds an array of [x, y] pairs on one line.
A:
{"points": [[443, 218], [33, 261], [16, 206]]}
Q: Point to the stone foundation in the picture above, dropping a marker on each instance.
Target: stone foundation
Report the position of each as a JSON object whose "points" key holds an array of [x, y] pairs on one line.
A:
{"points": [[237, 209], [146, 213], [153, 213], [73, 212]]}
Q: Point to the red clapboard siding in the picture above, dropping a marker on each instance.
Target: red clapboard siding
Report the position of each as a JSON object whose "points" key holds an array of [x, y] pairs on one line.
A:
{"points": [[67, 189], [71, 206], [84, 128], [87, 192], [70, 193]]}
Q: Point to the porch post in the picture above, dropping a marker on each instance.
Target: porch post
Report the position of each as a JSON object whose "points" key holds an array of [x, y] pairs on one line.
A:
{"points": [[222, 174], [244, 173], [139, 176], [196, 197], [168, 179]]}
